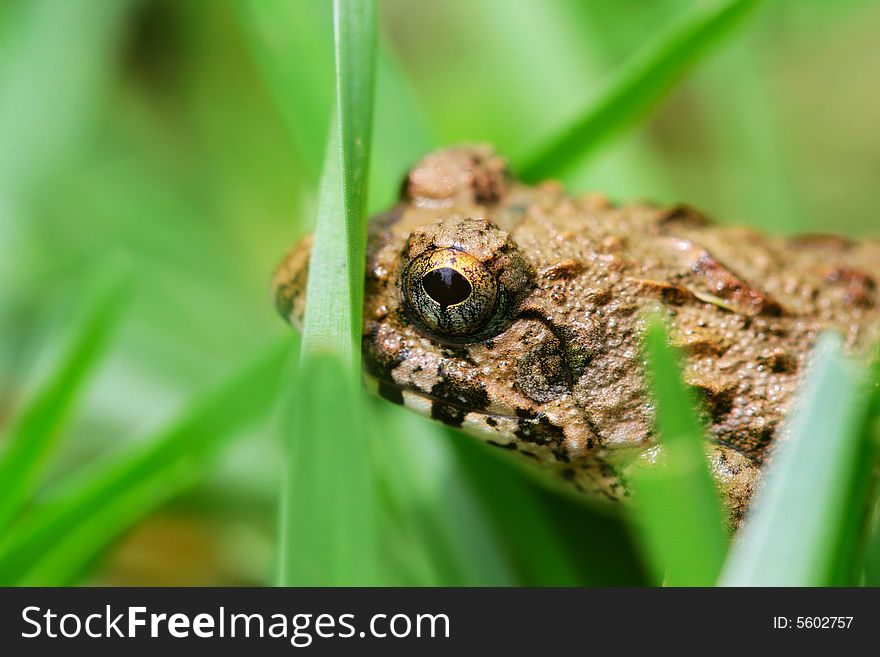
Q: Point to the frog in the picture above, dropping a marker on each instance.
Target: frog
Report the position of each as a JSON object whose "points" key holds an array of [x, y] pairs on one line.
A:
{"points": [[515, 313]]}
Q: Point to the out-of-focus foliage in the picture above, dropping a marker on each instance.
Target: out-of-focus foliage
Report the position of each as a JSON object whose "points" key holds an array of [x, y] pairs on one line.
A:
{"points": [[157, 129]]}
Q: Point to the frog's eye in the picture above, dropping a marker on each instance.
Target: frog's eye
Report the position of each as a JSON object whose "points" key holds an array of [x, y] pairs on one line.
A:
{"points": [[450, 292]]}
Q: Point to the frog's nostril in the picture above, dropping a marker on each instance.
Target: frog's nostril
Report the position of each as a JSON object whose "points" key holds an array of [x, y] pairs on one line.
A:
{"points": [[446, 286]]}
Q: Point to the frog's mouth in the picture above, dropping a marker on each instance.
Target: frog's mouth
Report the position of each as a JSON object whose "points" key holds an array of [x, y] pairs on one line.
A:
{"points": [[417, 399], [501, 429]]}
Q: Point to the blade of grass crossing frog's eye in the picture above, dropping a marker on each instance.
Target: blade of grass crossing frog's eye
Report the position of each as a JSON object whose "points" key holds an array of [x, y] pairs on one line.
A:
{"points": [[33, 432], [336, 541], [80, 515], [635, 89], [799, 523], [676, 506]]}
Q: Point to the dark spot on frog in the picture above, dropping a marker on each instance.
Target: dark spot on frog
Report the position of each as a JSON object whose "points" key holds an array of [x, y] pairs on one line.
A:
{"points": [[779, 362], [666, 292], [390, 392], [718, 401], [567, 269], [447, 413], [558, 296], [706, 345], [682, 213], [543, 374], [379, 362], [600, 296], [573, 343], [511, 446], [542, 431], [526, 413], [454, 399], [459, 354], [491, 422], [751, 442]]}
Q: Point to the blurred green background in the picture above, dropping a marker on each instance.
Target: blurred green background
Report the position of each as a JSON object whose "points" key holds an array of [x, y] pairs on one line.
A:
{"points": [[153, 128]]}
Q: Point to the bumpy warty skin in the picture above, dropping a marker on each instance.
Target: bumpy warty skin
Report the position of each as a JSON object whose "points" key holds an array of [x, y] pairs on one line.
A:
{"points": [[556, 372]]}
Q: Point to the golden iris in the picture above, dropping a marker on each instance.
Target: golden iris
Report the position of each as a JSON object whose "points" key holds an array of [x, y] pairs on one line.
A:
{"points": [[450, 292]]}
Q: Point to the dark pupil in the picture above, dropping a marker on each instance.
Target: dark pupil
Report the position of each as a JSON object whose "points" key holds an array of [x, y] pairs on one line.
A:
{"points": [[446, 286]]}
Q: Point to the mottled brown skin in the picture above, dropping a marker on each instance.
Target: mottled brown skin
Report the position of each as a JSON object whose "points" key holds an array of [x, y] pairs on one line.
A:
{"points": [[556, 373]]}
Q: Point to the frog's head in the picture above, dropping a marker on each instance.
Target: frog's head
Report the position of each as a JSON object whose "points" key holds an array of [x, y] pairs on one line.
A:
{"points": [[454, 315], [511, 312]]}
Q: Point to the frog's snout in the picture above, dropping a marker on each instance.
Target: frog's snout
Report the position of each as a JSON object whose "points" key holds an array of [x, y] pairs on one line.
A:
{"points": [[288, 286]]}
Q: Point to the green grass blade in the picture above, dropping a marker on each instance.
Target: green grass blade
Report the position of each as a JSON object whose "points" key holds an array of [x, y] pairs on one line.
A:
{"points": [[355, 39], [798, 531], [871, 575], [635, 89], [328, 324], [294, 56], [81, 515], [328, 456], [34, 431], [872, 562], [676, 503], [336, 269], [328, 513], [854, 522]]}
